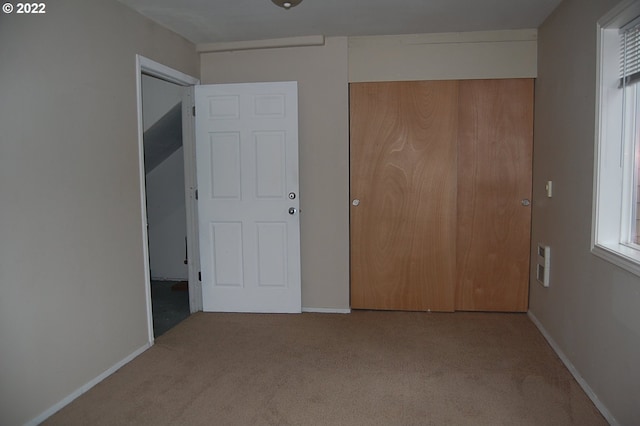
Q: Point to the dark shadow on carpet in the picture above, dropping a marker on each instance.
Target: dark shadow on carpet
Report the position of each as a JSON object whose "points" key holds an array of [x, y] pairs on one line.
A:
{"points": [[170, 304]]}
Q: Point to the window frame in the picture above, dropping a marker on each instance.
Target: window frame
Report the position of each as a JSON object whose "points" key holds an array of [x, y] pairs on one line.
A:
{"points": [[614, 159]]}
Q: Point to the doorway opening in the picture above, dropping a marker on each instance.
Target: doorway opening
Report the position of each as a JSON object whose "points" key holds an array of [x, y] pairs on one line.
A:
{"points": [[166, 209], [167, 187]]}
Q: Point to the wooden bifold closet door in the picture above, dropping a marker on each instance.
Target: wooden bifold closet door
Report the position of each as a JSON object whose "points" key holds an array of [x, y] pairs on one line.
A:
{"points": [[439, 172], [495, 138], [403, 210]]}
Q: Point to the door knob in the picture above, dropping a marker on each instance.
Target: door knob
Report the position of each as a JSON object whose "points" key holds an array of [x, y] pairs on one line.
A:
{"points": [[355, 202], [525, 202], [292, 210]]}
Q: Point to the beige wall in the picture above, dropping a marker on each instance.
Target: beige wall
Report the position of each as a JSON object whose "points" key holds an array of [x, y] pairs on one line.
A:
{"points": [[592, 308], [72, 290], [321, 72], [444, 56]]}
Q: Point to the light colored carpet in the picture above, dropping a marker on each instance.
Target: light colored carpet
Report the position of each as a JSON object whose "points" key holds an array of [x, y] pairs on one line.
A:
{"points": [[364, 368]]}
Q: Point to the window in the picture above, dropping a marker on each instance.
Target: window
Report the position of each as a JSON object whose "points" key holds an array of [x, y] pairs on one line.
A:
{"points": [[616, 220]]}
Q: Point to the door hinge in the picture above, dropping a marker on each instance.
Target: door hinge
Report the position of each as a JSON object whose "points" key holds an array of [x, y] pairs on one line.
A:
{"points": [[193, 110], [199, 276], [196, 194]]}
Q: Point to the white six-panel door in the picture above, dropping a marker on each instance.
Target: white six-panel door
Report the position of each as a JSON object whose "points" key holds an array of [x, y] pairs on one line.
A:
{"points": [[247, 167]]}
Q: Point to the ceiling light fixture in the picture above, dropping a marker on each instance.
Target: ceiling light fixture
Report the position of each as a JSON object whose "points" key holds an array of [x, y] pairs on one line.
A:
{"points": [[286, 4]]}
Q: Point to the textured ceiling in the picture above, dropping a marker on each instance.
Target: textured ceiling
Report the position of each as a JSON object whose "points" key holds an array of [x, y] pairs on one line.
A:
{"points": [[209, 21]]}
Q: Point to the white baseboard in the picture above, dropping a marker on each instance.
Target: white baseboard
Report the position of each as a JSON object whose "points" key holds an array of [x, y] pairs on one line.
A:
{"points": [[82, 389], [327, 310], [574, 372]]}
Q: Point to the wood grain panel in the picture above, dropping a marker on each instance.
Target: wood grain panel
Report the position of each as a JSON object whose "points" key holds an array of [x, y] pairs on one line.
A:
{"points": [[403, 171], [494, 175]]}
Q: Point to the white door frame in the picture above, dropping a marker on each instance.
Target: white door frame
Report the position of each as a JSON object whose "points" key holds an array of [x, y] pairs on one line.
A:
{"points": [[155, 69]]}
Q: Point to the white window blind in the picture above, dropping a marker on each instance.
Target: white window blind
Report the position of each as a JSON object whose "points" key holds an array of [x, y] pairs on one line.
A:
{"points": [[630, 53]]}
